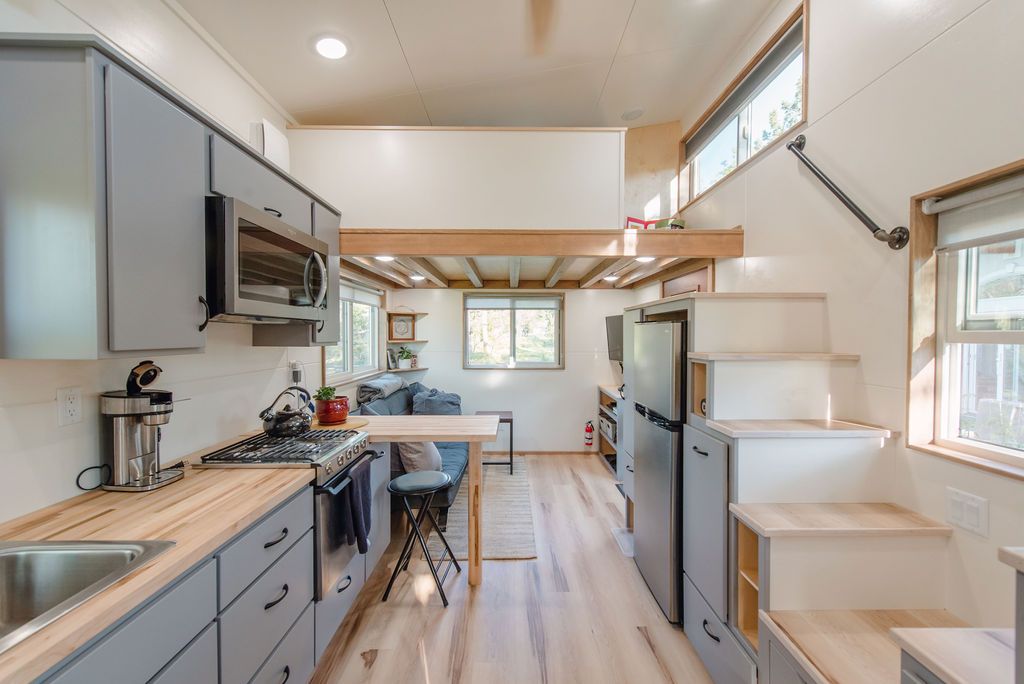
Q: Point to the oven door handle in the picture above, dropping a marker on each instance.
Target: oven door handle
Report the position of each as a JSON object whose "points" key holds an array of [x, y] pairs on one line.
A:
{"points": [[334, 490], [375, 454]]}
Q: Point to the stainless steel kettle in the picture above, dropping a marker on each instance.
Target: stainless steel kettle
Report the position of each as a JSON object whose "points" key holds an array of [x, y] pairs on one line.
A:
{"points": [[288, 421]]}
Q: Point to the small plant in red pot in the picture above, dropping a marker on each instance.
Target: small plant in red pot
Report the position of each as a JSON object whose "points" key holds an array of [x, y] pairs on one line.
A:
{"points": [[330, 409]]}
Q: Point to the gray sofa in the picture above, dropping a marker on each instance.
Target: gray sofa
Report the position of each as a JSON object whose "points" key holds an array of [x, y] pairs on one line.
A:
{"points": [[454, 455]]}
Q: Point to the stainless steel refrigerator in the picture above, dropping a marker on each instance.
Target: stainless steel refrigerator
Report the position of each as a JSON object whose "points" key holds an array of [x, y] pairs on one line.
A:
{"points": [[659, 353]]}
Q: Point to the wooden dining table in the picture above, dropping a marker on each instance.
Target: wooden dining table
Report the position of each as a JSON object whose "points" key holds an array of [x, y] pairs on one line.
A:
{"points": [[472, 429]]}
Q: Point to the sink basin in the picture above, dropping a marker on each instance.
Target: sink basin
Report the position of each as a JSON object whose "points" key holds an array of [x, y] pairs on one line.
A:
{"points": [[41, 581]]}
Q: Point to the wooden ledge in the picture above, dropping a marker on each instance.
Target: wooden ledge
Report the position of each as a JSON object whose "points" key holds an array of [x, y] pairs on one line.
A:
{"points": [[961, 655], [971, 460], [836, 519], [795, 429], [772, 356]]}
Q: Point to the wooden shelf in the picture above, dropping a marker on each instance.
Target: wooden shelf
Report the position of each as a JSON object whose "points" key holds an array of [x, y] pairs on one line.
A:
{"points": [[699, 387], [751, 576], [795, 429], [771, 356], [407, 370], [417, 314], [836, 519], [407, 341], [747, 585]]}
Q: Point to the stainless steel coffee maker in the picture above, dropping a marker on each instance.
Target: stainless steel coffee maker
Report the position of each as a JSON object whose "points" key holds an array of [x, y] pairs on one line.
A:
{"points": [[132, 437]]}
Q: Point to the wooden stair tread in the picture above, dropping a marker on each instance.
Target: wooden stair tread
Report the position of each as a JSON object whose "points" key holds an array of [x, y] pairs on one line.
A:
{"points": [[835, 519], [961, 655], [850, 646], [790, 429], [1013, 556], [772, 356]]}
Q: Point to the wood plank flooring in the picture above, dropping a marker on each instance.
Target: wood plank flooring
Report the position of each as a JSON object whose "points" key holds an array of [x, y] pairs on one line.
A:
{"points": [[580, 612]]}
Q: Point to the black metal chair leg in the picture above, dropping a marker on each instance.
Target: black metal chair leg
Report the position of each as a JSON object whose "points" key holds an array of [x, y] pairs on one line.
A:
{"points": [[407, 547], [426, 553], [451, 554], [421, 517]]}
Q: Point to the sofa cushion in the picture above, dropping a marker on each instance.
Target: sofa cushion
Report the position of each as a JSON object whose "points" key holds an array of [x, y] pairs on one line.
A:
{"points": [[419, 456], [437, 403]]}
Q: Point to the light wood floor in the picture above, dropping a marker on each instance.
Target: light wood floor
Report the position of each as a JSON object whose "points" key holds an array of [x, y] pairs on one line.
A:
{"points": [[579, 613]]}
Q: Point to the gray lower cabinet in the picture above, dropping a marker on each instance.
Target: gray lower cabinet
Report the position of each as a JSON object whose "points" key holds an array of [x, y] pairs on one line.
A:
{"points": [[138, 649], [380, 529], [705, 516], [293, 660], [197, 664], [913, 672], [628, 475], [775, 663], [721, 653], [330, 612]]}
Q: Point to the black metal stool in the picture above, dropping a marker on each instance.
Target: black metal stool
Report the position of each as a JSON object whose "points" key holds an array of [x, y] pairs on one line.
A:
{"points": [[424, 484]]}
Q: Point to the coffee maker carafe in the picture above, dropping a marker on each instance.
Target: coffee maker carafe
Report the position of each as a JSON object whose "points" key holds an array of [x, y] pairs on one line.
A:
{"points": [[133, 434]]}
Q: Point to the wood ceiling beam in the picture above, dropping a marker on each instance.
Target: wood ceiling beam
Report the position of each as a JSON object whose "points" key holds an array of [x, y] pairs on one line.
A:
{"points": [[560, 266], [523, 285], [381, 269], [424, 268], [411, 242], [515, 264], [472, 272], [685, 268], [606, 267], [646, 270], [361, 275]]}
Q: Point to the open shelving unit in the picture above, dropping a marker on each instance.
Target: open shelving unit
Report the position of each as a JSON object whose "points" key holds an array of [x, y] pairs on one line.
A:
{"points": [[607, 427], [747, 582]]}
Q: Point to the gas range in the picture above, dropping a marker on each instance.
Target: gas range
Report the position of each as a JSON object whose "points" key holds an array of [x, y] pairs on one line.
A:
{"points": [[329, 451]]}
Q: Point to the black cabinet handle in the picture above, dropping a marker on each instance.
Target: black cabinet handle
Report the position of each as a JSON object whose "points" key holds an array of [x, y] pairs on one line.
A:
{"points": [[275, 542], [702, 453], [206, 321], [347, 582], [629, 468], [275, 212], [320, 326], [280, 598], [287, 674], [708, 632]]}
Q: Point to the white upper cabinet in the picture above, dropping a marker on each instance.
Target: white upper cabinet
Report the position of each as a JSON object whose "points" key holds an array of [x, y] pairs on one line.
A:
{"points": [[471, 178]]}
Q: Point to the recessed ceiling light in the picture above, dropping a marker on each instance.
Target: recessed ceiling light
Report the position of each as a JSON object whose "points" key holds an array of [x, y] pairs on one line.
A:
{"points": [[385, 258], [417, 277], [632, 114], [331, 48], [611, 278], [645, 260]]}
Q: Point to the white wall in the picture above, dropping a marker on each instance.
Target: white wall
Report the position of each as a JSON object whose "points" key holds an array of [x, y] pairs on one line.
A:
{"points": [[904, 96], [550, 406], [228, 384]]}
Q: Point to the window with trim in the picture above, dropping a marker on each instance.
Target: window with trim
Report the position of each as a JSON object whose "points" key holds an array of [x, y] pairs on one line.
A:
{"points": [[765, 104], [980, 326], [358, 351], [512, 331]]}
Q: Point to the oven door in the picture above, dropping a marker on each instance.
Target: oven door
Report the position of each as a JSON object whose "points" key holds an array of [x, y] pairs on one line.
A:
{"points": [[333, 552], [264, 269]]}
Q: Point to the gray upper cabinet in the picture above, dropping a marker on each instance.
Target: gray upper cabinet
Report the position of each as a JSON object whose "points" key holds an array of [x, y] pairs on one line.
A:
{"points": [[326, 225], [156, 238]]}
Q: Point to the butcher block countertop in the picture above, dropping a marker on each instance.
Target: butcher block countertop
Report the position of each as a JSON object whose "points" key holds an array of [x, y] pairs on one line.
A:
{"points": [[200, 513]]}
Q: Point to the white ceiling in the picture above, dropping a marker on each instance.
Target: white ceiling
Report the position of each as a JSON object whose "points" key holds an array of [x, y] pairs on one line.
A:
{"points": [[472, 63]]}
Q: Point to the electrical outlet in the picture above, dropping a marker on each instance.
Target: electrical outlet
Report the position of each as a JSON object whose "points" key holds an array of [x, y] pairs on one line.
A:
{"points": [[69, 405], [967, 511]]}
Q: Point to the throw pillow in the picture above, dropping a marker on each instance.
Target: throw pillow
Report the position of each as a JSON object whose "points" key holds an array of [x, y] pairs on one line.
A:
{"points": [[437, 403], [419, 456]]}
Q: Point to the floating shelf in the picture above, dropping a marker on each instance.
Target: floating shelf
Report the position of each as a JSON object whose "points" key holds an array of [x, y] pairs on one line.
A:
{"points": [[771, 356], [417, 314], [795, 429], [406, 370], [407, 341], [835, 519]]}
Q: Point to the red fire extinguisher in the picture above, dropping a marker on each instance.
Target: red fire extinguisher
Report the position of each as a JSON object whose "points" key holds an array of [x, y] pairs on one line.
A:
{"points": [[588, 434]]}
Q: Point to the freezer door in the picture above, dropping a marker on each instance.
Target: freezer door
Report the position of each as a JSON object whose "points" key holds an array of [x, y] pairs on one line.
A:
{"points": [[658, 364], [656, 514]]}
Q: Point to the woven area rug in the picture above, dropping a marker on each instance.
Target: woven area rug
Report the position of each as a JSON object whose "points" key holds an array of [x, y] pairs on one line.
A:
{"points": [[508, 517]]}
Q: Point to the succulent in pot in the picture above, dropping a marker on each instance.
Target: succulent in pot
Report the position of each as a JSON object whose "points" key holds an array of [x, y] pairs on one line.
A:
{"points": [[404, 357], [330, 408]]}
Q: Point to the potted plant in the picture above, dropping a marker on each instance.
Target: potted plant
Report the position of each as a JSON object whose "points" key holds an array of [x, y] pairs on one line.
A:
{"points": [[330, 409], [404, 357]]}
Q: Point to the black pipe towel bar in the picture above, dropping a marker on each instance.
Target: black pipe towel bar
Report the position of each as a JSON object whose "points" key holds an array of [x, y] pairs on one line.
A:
{"points": [[897, 238]]}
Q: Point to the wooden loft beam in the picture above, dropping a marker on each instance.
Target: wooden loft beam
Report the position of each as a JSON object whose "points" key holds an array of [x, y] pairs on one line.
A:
{"points": [[515, 264], [414, 242], [425, 269], [379, 269], [606, 267], [361, 275], [685, 268], [560, 266], [646, 270], [472, 272], [523, 285]]}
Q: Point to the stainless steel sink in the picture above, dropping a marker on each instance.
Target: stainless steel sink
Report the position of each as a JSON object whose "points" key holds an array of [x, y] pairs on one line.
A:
{"points": [[41, 581]]}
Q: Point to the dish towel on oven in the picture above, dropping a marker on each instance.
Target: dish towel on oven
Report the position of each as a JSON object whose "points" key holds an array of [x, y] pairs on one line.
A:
{"points": [[355, 512]]}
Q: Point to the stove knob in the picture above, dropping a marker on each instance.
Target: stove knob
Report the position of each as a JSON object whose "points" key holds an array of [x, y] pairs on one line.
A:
{"points": [[340, 460], [328, 468]]}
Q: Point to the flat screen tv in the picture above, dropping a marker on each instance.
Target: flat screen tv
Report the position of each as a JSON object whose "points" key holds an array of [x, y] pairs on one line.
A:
{"points": [[613, 326]]}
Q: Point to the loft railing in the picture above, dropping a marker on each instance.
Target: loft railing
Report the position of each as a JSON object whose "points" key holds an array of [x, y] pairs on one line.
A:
{"points": [[897, 238]]}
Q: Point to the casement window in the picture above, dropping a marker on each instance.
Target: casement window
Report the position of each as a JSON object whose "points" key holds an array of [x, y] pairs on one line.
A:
{"points": [[513, 331], [357, 353], [764, 103], [980, 328]]}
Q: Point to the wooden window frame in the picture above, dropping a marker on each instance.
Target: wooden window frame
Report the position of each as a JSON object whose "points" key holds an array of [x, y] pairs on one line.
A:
{"points": [[516, 295], [923, 354]]}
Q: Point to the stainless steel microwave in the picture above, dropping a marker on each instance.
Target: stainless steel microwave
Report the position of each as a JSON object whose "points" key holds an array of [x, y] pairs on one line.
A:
{"points": [[259, 269]]}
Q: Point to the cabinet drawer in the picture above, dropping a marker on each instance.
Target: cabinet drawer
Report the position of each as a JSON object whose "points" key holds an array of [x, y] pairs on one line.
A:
{"points": [[292, 660], [255, 623], [197, 664], [132, 653], [252, 553], [629, 476], [721, 654], [233, 173], [705, 516]]}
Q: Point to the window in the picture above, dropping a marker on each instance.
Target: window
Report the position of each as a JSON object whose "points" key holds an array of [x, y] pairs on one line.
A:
{"points": [[358, 351], [766, 103], [513, 332]]}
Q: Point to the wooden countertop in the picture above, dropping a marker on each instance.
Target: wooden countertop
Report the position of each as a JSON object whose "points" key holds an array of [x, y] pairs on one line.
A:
{"points": [[962, 656], [796, 429], [200, 513], [849, 646], [836, 519], [423, 428], [1013, 556]]}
